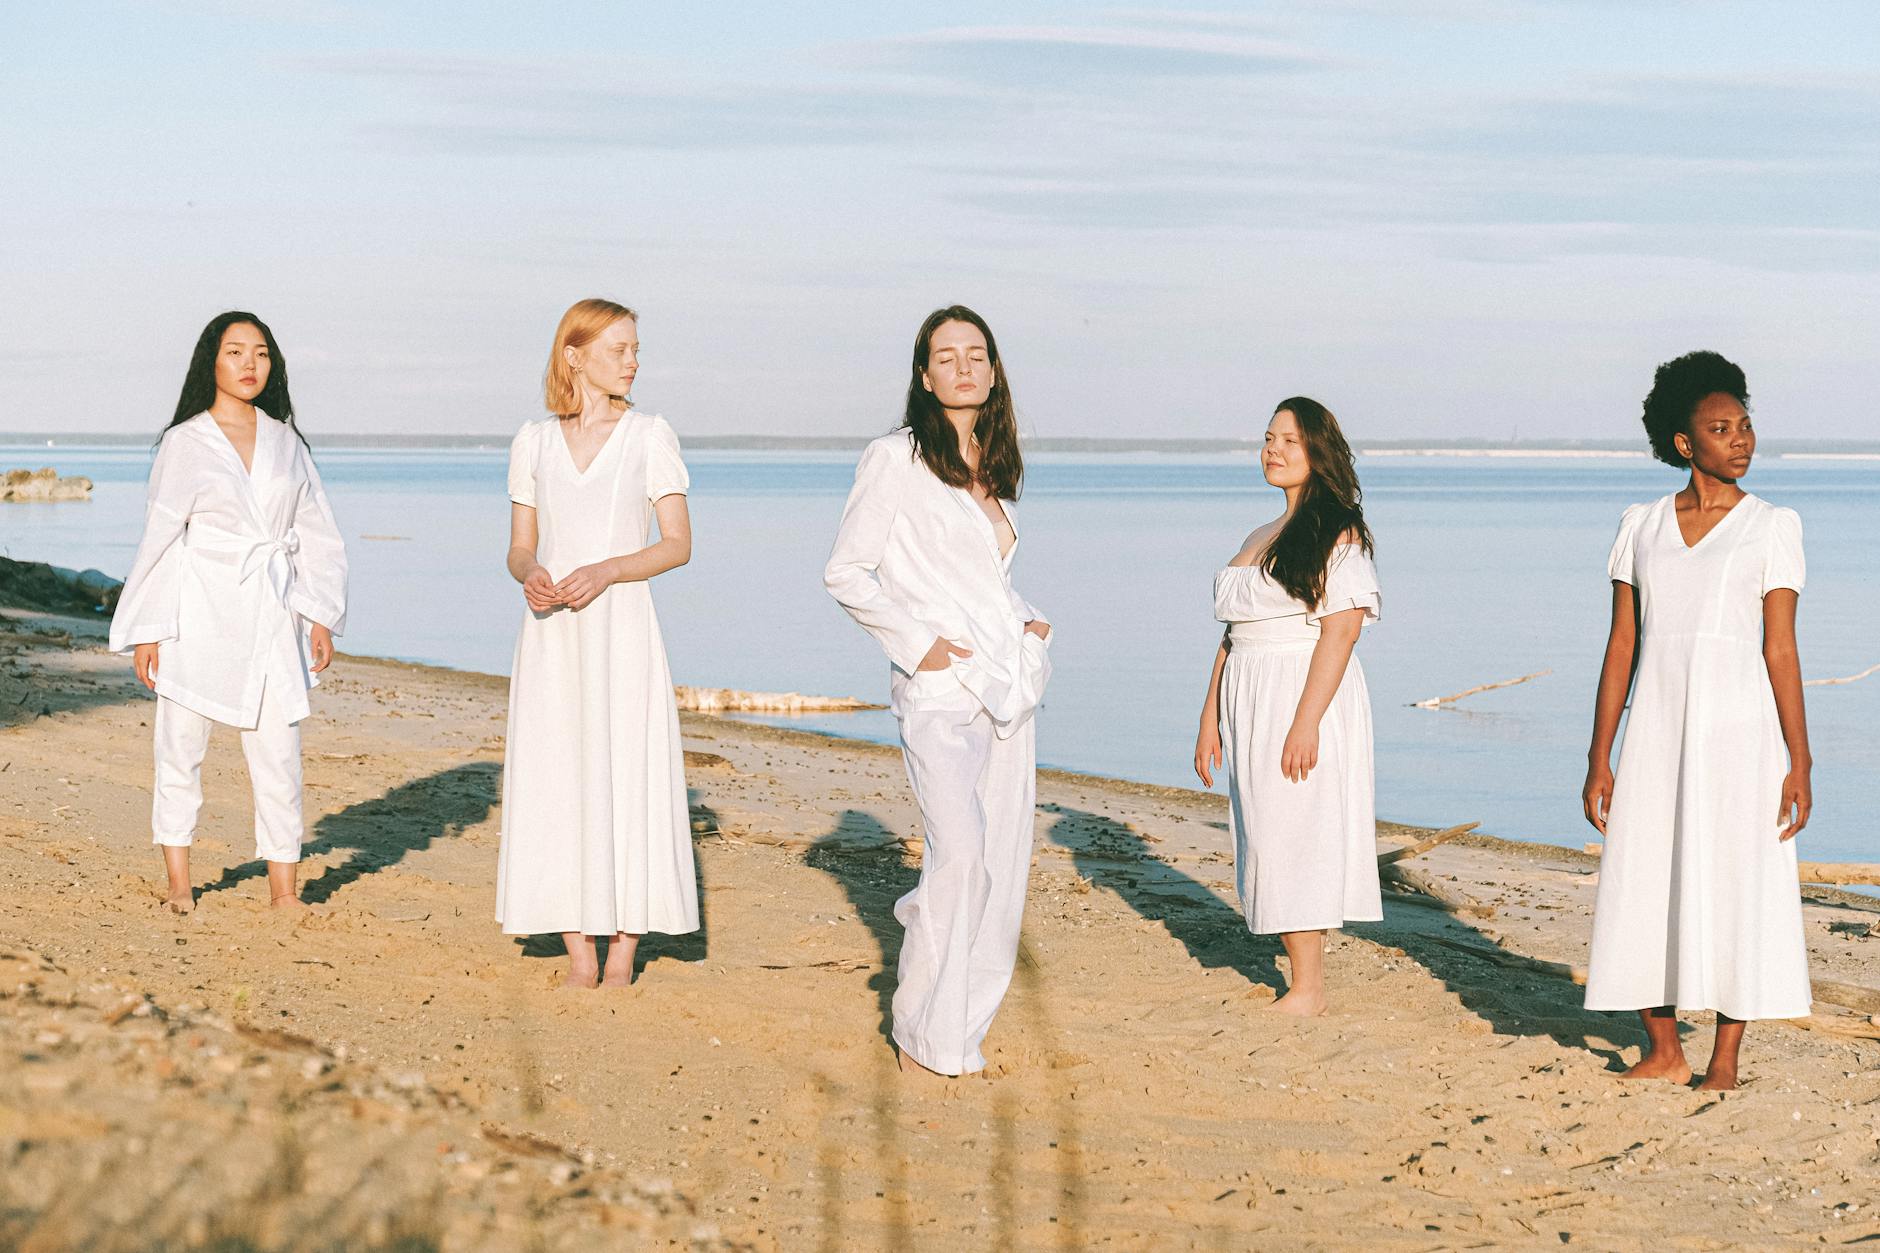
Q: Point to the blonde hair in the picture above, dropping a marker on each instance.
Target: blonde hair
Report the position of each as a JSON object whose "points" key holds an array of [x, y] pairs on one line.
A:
{"points": [[579, 327]]}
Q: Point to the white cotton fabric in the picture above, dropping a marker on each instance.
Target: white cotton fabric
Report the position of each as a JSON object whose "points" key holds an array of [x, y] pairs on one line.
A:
{"points": [[272, 750], [1305, 854], [596, 837], [1698, 904], [917, 560], [234, 566]]}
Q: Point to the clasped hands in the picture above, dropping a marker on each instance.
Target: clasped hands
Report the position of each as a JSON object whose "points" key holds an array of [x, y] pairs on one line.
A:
{"points": [[577, 590]]}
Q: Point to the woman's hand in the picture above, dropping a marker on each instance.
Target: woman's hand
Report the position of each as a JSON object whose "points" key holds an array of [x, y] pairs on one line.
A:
{"points": [[1208, 751], [1300, 754], [539, 590], [144, 658], [1797, 799], [1596, 796], [941, 655], [320, 644], [583, 585], [1038, 627]]}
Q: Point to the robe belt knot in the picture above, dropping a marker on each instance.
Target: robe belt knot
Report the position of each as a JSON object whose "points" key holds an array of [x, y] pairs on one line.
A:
{"points": [[275, 558]]}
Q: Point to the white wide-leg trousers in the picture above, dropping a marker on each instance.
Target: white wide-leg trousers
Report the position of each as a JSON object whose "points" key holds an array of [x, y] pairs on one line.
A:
{"points": [[976, 794], [273, 752]]}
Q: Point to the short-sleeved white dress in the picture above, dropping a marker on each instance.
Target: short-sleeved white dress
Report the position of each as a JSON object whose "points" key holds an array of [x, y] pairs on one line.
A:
{"points": [[1698, 903], [596, 836], [1305, 854]]}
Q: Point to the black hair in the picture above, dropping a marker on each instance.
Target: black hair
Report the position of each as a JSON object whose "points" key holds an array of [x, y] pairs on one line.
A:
{"points": [[199, 382], [1330, 505], [1677, 389]]}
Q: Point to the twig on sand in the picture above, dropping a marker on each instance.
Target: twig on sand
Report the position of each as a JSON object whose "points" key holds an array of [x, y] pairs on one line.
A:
{"points": [[1437, 702], [1846, 678], [1453, 900], [1424, 845]]}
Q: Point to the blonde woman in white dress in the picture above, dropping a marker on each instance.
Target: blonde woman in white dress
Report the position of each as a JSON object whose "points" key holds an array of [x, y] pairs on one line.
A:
{"points": [[923, 562], [1698, 905], [596, 839], [234, 596], [1287, 707]]}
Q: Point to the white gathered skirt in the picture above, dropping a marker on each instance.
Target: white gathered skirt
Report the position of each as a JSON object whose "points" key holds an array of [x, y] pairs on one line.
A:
{"points": [[1305, 854]]}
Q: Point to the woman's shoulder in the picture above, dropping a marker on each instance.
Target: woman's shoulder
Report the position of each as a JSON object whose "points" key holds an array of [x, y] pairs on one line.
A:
{"points": [[893, 450]]}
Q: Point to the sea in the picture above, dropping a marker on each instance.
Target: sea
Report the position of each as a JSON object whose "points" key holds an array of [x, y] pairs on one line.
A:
{"points": [[1493, 567]]}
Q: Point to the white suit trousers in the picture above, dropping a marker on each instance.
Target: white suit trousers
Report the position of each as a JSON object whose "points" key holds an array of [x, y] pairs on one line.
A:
{"points": [[976, 794], [273, 752]]}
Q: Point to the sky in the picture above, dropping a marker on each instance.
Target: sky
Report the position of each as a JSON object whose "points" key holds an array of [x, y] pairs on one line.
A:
{"points": [[1443, 218]]}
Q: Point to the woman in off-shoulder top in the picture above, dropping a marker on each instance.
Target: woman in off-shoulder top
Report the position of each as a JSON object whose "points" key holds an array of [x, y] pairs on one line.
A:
{"points": [[1287, 706]]}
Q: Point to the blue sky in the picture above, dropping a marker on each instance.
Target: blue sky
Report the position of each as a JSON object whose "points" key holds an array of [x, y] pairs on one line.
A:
{"points": [[1441, 217]]}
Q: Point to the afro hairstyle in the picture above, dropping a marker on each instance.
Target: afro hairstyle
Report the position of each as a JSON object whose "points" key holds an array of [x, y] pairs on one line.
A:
{"points": [[1678, 388]]}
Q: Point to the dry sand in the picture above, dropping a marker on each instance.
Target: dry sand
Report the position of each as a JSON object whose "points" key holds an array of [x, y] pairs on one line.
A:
{"points": [[395, 1073]]}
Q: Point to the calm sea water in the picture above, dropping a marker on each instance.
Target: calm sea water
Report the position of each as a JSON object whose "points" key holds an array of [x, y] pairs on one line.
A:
{"points": [[1491, 569]]}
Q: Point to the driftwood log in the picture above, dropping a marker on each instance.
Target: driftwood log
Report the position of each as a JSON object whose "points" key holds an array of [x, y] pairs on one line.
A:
{"points": [[1846, 678], [1438, 895], [732, 700], [1437, 702], [1425, 844]]}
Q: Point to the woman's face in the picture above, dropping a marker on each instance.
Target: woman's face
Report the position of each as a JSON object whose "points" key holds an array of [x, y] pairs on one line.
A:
{"points": [[241, 364], [610, 360], [959, 368], [1283, 460], [1721, 442]]}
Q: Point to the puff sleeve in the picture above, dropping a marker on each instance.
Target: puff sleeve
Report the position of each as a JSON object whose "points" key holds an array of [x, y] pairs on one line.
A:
{"points": [[523, 452], [665, 467], [1619, 564], [1783, 564], [1350, 583]]}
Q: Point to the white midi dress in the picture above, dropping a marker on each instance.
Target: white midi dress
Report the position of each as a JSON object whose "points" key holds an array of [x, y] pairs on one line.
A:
{"points": [[1698, 903], [596, 836], [1305, 854]]}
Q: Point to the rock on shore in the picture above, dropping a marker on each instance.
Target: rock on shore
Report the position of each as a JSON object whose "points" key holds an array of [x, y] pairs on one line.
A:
{"points": [[54, 589], [42, 485]]}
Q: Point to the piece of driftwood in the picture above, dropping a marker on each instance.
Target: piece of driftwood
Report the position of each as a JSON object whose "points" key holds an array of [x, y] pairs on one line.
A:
{"points": [[1849, 678], [712, 700], [1849, 1028], [1424, 845], [1437, 702], [1451, 899], [1841, 873]]}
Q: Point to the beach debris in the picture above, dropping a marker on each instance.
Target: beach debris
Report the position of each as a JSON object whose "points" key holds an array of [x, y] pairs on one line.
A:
{"points": [[1450, 899], [42, 485], [1437, 702], [711, 700], [1847, 678], [1424, 845]]}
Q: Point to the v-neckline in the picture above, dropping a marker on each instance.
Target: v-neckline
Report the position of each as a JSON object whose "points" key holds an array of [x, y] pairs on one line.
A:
{"points": [[1720, 523], [965, 497], [248, 467], [562, 436]]}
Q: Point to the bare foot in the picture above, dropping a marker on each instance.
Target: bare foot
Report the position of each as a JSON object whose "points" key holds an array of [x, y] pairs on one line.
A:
{"points": [[581, 977], [908, 1066], [287, 903], [619, 970], [1670, 1066], [181, 902], [616, 978], [1719, 1079], [1299, 1005]]}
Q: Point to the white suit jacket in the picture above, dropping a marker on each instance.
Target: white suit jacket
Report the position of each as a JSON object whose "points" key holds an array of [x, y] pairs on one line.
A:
{"points": [[916, 560], [233, 566]]}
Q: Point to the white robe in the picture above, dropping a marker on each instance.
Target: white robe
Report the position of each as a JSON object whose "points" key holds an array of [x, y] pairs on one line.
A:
{"points": [[915, 560], [234, 566]]}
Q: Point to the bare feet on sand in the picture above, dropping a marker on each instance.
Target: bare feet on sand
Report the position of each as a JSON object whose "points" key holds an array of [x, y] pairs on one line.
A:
{"points": [[582, 975], [1300, 1005], [287, 904], [1665, 1065], [908, 1066], [619, 970], [180, 901]]}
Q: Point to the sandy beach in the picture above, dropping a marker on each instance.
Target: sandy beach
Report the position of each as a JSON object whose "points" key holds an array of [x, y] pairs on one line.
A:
{"points": [[392, 1072]]}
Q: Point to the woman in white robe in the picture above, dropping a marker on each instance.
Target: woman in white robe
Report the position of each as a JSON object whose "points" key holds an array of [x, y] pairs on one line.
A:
{"points": [[922, 561], [596, 837], [1698, 904], [234, 597], [1287, 705]]}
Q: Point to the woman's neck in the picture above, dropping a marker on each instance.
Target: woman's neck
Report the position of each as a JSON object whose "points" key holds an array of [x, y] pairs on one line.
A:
{"points": [[1293, 495], [1711, 492], [230, 409], [597, 406]]}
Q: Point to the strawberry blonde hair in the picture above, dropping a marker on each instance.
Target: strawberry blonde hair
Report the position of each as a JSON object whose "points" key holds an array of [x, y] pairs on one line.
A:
{"points": [[579, 327]]}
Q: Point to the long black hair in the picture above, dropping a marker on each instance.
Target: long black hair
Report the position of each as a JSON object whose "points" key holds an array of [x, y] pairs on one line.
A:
{"points": [[199, 383], [1329, 506], [1001, 468]]}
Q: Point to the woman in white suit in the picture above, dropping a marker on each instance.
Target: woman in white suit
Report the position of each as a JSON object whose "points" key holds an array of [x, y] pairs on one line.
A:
{"points": [[235, 594], [923, 562]]}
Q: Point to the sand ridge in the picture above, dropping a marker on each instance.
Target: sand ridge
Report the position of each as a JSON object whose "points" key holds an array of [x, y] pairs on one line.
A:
{"points": [[1137, 1096]]}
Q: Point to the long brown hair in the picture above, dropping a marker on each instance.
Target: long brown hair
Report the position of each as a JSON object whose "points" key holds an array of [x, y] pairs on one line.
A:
{"points": [[1001, 468], [1329, 506], [579, 327]]}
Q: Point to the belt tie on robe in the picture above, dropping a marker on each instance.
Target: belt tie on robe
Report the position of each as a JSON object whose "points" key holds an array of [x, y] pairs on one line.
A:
{"points": [[275, 557]]}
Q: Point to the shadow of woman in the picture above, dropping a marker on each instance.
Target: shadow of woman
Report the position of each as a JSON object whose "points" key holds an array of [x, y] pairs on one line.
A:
{"points": [[866, 859], [383, 831], [1115, 857]]}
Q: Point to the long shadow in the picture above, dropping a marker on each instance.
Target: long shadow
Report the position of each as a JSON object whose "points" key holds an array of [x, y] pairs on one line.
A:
{"points": [[383, 831], [861, 855], [1113, 856], [34, 682], [690, 947]]}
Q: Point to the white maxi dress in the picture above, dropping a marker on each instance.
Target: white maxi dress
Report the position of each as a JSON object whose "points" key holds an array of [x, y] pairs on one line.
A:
{"points": [[1305, 854], [1698, 904], [596, 837]]}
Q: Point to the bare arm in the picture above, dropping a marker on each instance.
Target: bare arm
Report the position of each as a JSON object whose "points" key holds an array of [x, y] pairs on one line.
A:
{"points": [[579, 588], [1785, 677], [1338, 635], [1615, 680], [538, 587], [1208, 738]]}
